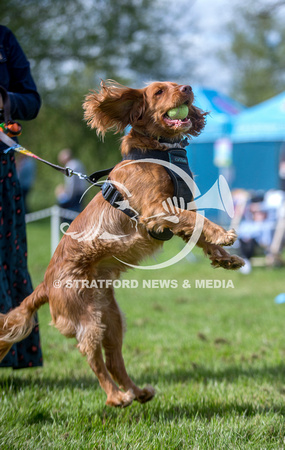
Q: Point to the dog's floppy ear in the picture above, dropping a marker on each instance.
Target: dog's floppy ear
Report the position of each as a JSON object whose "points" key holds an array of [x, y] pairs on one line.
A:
{"points": [[198, 119], [113, 107]]}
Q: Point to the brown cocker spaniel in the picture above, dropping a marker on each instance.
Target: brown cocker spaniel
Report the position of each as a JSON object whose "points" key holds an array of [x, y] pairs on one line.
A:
{"points": [[90, 253]]}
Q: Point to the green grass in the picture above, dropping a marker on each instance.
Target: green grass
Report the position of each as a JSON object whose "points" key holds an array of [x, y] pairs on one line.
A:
{"points": [[214, 356]]}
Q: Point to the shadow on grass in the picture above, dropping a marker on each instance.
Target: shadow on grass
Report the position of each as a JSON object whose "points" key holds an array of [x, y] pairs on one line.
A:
{"points": [[160, 409], [270, 374], [207, 410], [18, 380], [15, 381]]}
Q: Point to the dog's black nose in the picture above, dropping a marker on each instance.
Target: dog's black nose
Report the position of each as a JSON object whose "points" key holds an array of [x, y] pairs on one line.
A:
{"points": [[186, 89]]}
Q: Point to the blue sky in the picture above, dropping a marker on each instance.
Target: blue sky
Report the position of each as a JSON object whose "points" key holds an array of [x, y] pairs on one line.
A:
{"points": [[201, 27]]}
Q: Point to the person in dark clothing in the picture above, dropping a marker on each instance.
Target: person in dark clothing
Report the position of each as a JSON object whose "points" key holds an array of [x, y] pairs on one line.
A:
{"points": [[15, 282]]}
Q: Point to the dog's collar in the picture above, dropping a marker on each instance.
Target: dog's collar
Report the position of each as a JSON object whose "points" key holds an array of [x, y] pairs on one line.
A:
{"points": [[175, 142]]}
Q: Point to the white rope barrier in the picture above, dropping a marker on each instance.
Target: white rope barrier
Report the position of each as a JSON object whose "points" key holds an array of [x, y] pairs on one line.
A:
{"points": [[56, 214]]}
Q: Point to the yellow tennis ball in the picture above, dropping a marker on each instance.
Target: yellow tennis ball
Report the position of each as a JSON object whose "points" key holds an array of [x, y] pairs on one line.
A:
{"points": [[181, 112]]}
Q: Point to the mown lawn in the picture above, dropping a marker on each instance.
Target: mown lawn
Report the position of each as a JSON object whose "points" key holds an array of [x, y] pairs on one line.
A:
{"points": [[214, 356]]}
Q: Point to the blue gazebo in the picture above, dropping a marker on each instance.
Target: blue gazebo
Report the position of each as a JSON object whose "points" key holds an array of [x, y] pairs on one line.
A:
{"points": [[264, 122], [222, 110], [256, 135]]}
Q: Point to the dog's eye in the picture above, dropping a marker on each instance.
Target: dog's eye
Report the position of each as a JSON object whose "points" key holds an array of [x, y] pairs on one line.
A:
{"points": [[159, 92]]}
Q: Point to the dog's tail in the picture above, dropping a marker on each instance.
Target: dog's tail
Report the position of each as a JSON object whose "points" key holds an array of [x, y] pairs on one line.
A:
{"points": [[18, 323]]}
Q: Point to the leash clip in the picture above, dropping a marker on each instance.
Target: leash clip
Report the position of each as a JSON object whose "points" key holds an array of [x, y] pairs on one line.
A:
{"points": [[70, 173]]}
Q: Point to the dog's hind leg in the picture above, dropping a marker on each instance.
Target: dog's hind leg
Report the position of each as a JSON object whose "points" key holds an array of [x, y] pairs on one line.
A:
{"points": [[79, 314], [112, 343], [89, 343]]}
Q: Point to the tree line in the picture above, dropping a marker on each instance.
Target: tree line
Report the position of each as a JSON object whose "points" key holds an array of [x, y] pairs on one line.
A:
{"points": [[72, 45]]}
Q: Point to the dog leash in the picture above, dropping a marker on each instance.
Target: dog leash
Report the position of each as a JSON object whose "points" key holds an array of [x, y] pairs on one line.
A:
{"points": [[175, 156], [67, 171], [10, 128]]}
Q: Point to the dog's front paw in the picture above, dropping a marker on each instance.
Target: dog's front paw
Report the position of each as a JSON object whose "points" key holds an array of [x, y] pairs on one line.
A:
{"points": [[225, 239], [229, 262]]}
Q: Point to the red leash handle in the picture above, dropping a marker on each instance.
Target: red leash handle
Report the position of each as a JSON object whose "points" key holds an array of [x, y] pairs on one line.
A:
{"points": [[13, 129]]}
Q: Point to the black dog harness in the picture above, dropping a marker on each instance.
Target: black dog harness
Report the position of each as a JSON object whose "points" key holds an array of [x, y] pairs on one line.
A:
{"points": [[177, 157]]}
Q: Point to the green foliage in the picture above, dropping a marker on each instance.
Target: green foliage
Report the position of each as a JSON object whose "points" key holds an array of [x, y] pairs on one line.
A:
{"points": [[258, 51], [214, 356], [71, 45]]}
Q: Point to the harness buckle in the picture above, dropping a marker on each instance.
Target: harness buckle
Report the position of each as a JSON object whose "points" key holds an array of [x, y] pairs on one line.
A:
{"points": [[111, 194]]}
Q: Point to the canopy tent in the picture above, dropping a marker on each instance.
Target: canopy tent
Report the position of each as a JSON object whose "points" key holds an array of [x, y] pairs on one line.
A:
{"points": [[221, 110], [257, 134], [264, 122]]}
